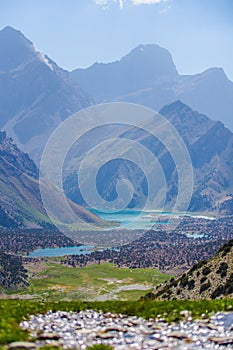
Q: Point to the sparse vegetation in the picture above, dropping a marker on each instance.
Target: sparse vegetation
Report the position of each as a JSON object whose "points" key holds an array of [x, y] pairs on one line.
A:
{"points": [[204, 287], [217, 292], [226, 248], [12, 273], [203, 279], [206, 270], [222, 269], [100, 347], [198, 266], [206, 279], [184, 281], [191, 284]]}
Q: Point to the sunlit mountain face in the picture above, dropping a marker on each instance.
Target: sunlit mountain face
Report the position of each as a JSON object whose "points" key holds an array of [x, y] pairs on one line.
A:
{"points": [[36, 94]]}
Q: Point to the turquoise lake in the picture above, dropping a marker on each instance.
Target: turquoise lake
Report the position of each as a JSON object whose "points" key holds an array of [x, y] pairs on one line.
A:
{"points": [[132, 219], [56, 252], [136, 220], [53, 252], [129, 219]]}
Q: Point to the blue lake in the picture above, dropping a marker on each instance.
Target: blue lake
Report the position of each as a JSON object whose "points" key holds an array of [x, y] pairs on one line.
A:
{"points": [[143, 220], [56, 252], [53, 252], [135, 219]]}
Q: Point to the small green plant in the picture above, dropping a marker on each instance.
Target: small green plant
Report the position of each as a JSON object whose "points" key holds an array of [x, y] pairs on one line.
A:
{"points": [[100, 347], [203, 279], [197, 266], [206, 270], [222, 270], [205, 287], [217, 292], [184, 281], [226, 248], [191, 284]]}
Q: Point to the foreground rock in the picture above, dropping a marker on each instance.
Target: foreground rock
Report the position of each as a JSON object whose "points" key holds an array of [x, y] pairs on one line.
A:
{"points": [[21, 345], [86, 328]]}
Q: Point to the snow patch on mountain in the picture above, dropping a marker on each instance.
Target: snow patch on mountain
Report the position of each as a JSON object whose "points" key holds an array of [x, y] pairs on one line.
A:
{"points": [[45, 60]]}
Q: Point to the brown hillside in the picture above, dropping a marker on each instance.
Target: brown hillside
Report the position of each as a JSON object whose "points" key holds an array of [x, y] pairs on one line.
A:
{"points": [[209, 279]]}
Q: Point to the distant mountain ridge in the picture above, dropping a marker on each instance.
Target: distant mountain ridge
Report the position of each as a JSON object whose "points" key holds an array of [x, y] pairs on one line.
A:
{"points": [[148, 76], [208, 142], [142, 67], [36, 94], [210, 145]]}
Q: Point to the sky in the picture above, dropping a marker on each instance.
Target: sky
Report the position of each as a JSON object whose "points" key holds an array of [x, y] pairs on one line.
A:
{"points": [[77, 33]]}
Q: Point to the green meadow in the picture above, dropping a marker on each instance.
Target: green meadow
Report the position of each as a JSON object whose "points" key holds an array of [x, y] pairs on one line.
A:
{"points": [[53, 281]]}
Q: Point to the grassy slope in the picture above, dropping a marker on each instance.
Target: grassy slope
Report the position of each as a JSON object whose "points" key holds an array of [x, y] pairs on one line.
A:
{"points": [[54, 281], [13, 311]]}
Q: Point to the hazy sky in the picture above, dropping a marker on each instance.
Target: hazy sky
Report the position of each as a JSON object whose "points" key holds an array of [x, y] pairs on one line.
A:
{"points": [[77, 33]]}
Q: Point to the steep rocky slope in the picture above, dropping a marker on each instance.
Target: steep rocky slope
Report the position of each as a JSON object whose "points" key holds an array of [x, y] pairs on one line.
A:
{"points": [[36, 94], [207, 279], [20, 200]]}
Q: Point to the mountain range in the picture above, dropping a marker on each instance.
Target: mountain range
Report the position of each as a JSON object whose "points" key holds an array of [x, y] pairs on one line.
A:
{"points": [[37, 95], [148, 76], [208, 142]]}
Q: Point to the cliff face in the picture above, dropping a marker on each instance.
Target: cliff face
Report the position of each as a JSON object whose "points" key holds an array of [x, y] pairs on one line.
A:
{"points": [[20, 200], [19, 190]]}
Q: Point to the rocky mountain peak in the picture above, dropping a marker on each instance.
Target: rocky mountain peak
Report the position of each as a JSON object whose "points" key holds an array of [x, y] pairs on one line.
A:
{"points": [[15, 48], [153, 58], [185, 119], [143, 67], [147, 75], [36, 94], [176, 106], [217, 71]]}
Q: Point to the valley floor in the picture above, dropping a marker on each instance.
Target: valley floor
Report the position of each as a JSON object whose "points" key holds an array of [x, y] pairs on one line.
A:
{"points": [[52, 281]]}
